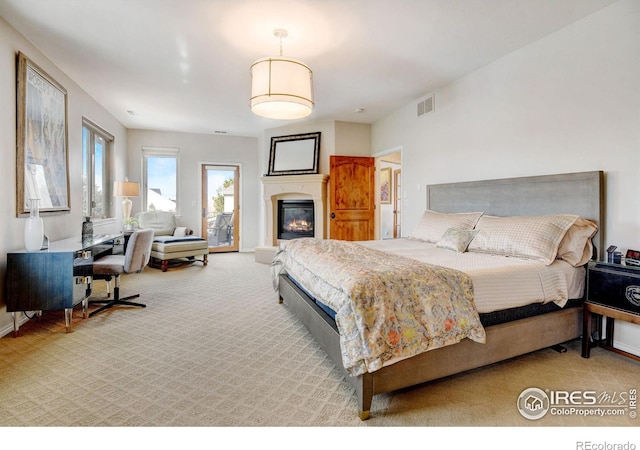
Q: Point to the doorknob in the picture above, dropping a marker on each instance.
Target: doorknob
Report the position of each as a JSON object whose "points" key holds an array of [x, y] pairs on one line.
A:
{"points": [[333, 215]]}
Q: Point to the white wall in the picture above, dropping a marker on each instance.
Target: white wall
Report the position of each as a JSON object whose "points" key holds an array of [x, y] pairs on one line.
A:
{"points": [[195, 150], [79, 105], [569, 102]]}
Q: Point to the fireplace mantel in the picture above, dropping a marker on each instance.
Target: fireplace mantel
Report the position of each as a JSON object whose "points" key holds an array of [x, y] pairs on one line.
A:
{"points": [[290, 187]]}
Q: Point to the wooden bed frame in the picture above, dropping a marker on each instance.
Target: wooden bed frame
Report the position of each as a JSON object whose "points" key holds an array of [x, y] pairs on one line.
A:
{"points": [[574, 193]]}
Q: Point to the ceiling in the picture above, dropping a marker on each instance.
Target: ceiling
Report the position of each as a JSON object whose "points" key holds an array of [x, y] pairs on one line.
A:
{"points": [[183, 65]]}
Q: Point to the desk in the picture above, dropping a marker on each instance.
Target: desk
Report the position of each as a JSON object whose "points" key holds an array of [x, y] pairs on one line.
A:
{"points": [[57, 278]]}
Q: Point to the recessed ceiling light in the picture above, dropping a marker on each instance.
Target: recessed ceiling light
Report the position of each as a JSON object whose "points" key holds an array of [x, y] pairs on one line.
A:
{"points": [[359, 110]]}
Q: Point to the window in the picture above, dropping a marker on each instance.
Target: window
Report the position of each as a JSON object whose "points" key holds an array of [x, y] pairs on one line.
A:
{"points": [[160, 179], [96, 183]]}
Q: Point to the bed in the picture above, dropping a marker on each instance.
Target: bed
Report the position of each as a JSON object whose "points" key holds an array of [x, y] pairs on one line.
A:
{"points": [[504, 330]]}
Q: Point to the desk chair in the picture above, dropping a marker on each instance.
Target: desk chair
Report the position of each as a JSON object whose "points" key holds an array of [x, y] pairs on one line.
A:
{"points": [[135, 258]]}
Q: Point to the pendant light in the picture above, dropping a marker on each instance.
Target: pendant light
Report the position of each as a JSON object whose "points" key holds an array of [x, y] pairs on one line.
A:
{"points": [[281, 88]]}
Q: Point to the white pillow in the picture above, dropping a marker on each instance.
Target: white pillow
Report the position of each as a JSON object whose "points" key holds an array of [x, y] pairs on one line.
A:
{"points": [[532, 237], [576, 247], [433, 225], [180, 232]]}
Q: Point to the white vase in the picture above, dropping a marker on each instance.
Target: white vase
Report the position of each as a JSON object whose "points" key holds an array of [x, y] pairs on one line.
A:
{"points": [[33, 229]]}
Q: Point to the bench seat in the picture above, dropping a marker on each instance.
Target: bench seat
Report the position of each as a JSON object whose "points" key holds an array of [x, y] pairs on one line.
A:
{"points": [[170, 248]]}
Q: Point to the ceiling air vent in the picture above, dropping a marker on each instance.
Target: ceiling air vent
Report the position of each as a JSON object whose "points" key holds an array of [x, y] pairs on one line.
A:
{"points": [[425, 106]]}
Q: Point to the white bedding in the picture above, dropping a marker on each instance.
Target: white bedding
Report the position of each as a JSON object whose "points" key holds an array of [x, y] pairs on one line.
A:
{"points": [[499, 282]]}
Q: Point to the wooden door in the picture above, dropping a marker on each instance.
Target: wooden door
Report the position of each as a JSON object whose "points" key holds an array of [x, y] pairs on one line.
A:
{"points": [[351, 198]]}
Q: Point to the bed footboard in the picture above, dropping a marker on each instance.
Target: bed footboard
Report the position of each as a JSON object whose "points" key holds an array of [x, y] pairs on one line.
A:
{"points": [[504, 341], [325, 332]]}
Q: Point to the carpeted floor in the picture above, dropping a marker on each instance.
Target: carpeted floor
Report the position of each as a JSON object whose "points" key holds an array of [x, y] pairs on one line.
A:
{"points": [[213, 348]]}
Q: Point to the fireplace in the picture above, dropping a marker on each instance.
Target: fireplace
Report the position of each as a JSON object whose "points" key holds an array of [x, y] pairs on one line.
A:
{"points": [[312, 187], [295, 219]]}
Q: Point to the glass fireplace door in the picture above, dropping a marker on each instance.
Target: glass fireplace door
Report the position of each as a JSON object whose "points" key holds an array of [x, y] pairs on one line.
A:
{"points": [[295, 219]]}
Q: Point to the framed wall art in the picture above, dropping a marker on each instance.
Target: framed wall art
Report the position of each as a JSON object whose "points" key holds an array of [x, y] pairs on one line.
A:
{"points": [[294, 155], [385, 185], [42, 162]]}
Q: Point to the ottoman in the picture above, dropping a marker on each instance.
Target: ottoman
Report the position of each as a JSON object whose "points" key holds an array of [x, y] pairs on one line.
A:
{"points": [[171, 251]]}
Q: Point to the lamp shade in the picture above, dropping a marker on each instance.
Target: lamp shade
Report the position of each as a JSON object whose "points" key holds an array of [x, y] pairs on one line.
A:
{"points": [[126, 189], [281, 88]]}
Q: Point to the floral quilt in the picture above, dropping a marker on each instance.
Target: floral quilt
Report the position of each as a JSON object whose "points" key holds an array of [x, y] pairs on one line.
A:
{"points": [[388, 307]]}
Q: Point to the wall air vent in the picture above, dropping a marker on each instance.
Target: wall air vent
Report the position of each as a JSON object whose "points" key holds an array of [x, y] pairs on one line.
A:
{"points": [[425, 106]]}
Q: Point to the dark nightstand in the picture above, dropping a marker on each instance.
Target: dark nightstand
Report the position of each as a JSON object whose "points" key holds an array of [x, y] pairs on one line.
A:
{"points": [[613, 290]]}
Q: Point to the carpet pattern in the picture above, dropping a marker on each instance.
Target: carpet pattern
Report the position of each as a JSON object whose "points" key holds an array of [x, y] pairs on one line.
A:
{"points": [[214, 347]]}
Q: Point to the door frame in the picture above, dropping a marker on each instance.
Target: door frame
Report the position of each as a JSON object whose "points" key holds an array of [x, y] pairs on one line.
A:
{"points": [[378, 157], [237, 216], [397, 221]]}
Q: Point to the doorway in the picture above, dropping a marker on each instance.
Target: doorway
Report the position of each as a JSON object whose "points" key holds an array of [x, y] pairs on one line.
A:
{"points": [[397, 203], [220, 206], [389, 168]]}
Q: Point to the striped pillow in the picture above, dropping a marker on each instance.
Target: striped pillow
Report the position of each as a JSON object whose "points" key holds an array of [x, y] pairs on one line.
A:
{"points": [[532, 237]]}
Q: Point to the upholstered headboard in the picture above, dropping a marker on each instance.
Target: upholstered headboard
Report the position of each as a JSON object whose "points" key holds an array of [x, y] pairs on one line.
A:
{"points": [[580, 193]]}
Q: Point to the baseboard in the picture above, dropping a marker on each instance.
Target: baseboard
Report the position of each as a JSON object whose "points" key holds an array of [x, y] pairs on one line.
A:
{"points": [[626, 337], [8, 329], [626, 347]]}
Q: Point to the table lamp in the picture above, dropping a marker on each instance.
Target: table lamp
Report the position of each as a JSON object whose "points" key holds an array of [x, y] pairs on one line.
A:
{"points": [[126, 189]]}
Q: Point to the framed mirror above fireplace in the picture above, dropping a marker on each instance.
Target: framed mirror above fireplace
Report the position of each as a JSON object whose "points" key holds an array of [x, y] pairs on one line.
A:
{"points": [[294, 155]]}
